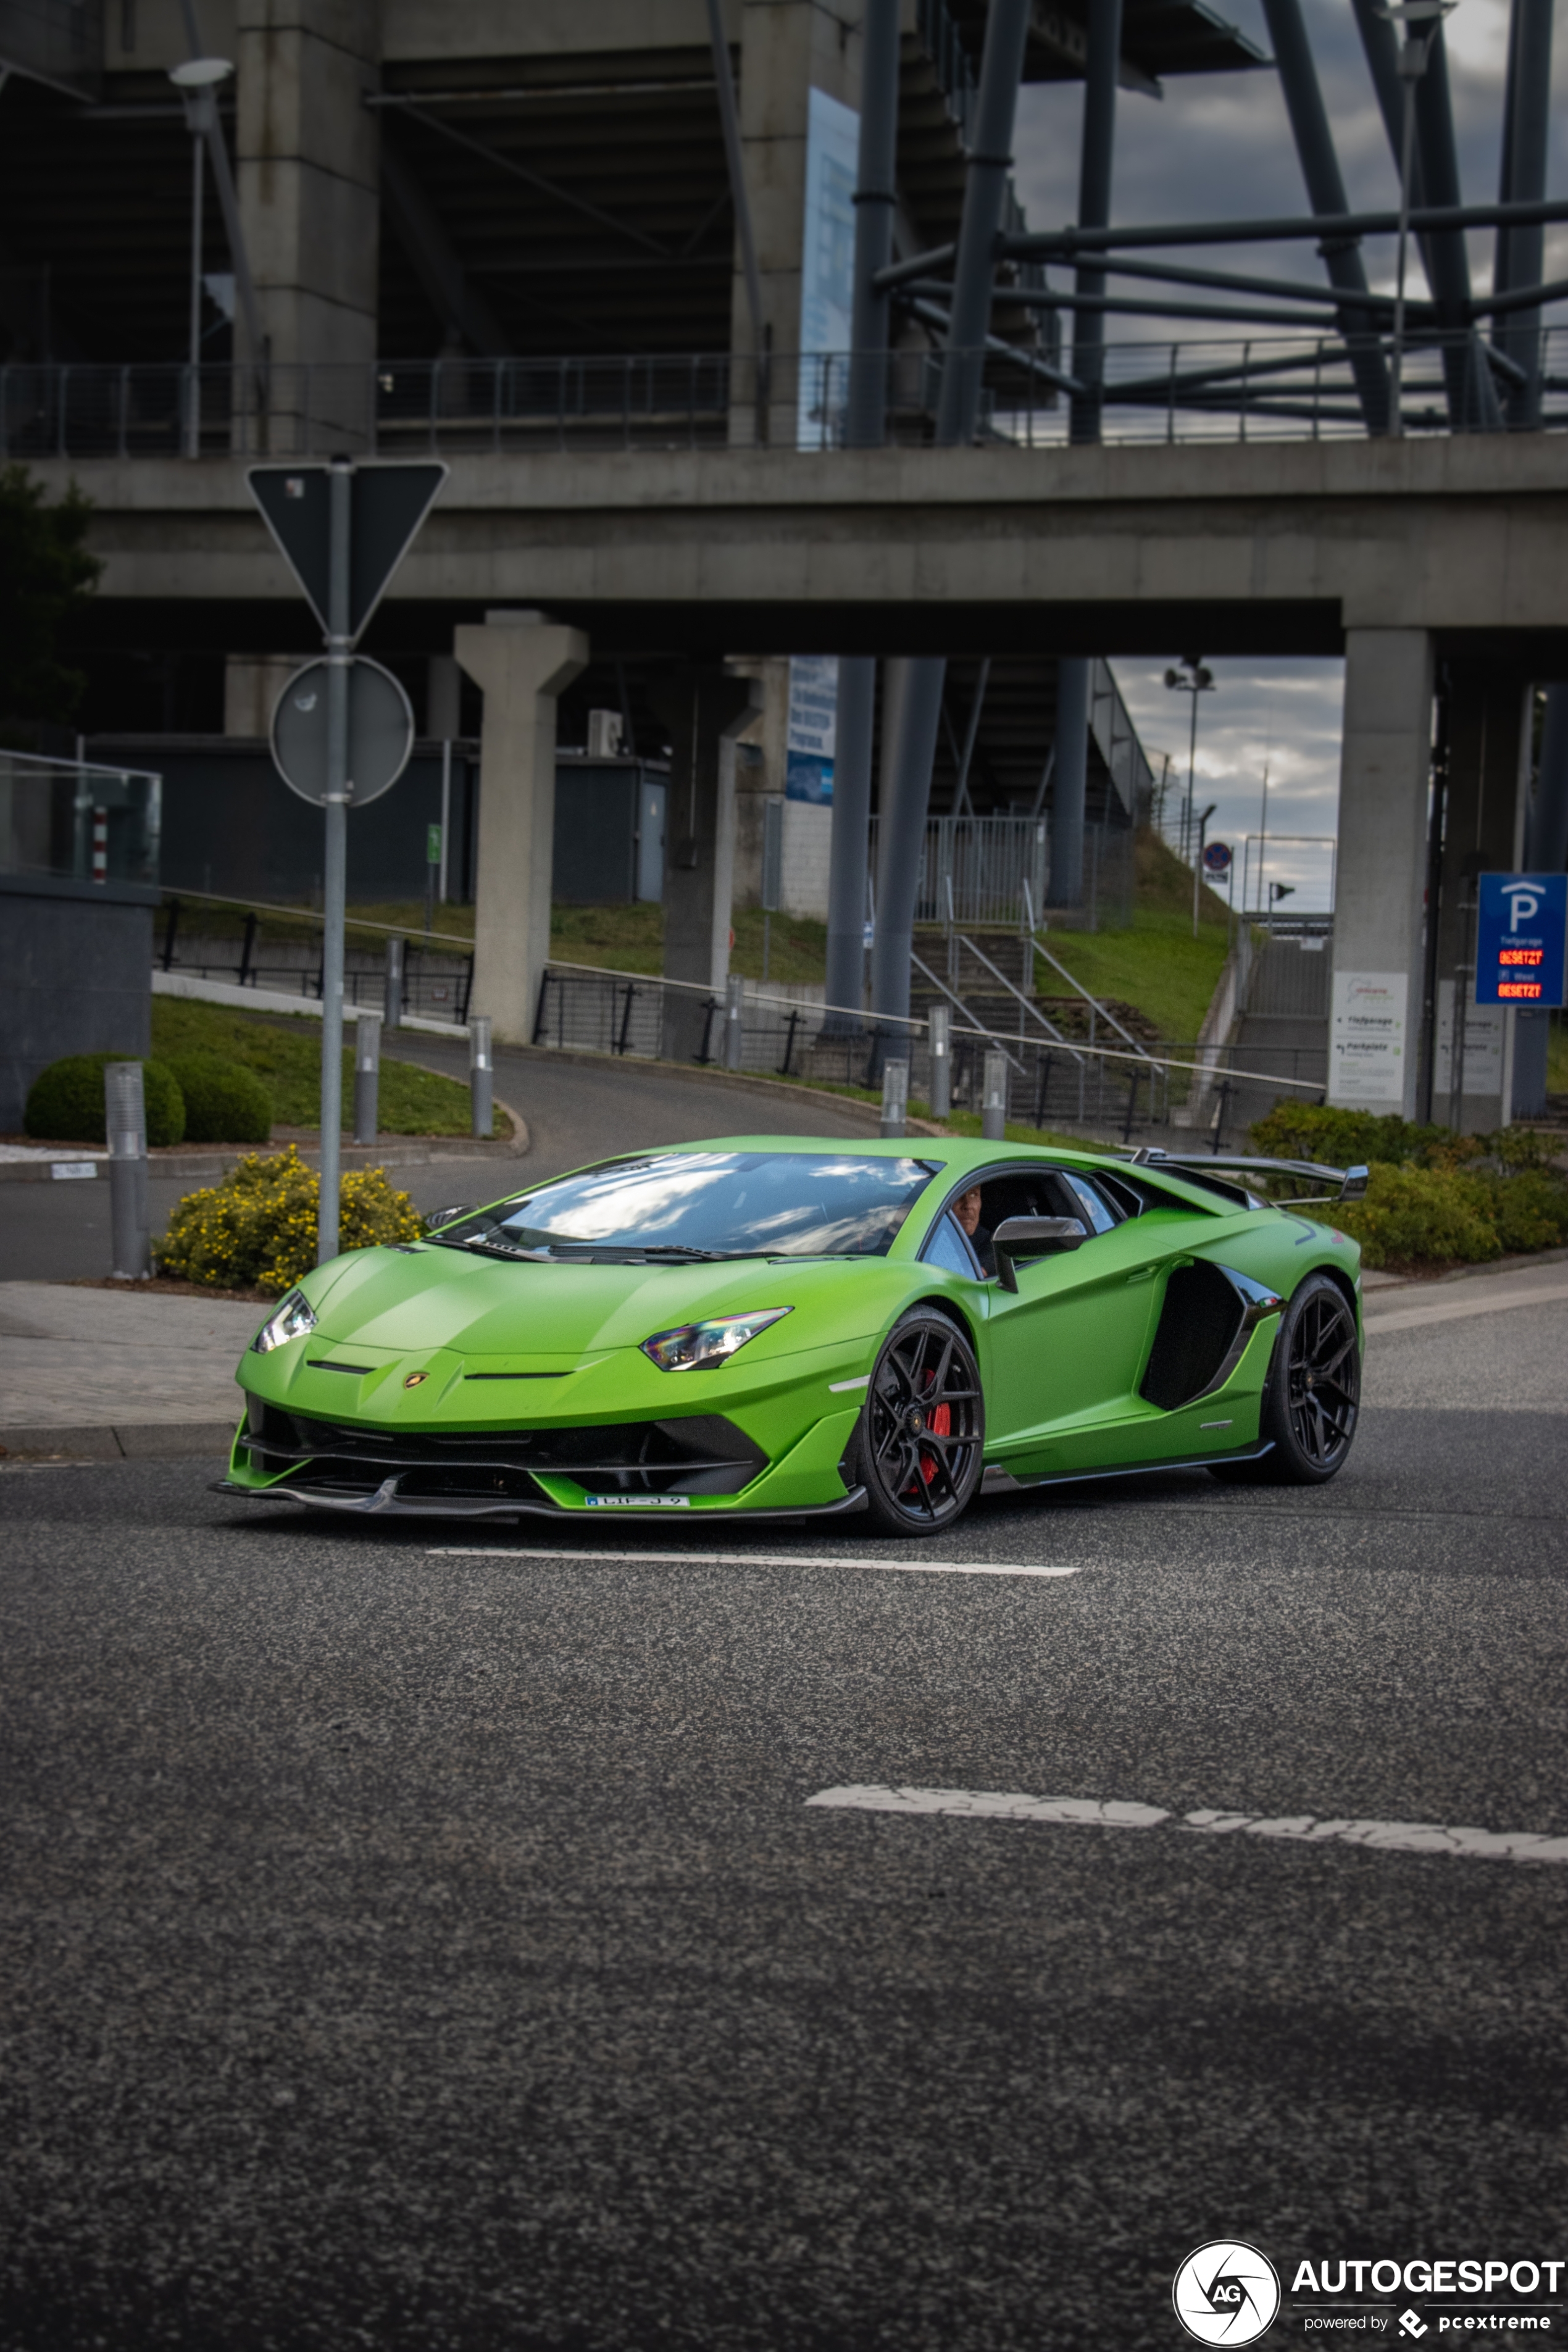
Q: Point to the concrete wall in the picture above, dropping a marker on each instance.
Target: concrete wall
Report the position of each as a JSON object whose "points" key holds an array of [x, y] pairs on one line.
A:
{"points": [[76, 977]]}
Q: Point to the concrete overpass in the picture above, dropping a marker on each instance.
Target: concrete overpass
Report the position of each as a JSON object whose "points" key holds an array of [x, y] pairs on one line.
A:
{"points": [[1400, 554]]}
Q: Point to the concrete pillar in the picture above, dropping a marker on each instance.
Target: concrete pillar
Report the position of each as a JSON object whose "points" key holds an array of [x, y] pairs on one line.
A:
{"points": [[443, 699], [788, 48], [308, 171], [251, 686], [704, 707], [521, 662], [1488, 755], [1385, 773]]}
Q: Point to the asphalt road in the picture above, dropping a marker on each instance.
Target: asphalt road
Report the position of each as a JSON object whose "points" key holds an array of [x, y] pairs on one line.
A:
{"points": [[408, 1949], [575, 1112]]}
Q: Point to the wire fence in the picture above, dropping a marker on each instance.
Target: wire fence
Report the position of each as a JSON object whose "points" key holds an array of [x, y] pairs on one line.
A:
{"points": [[1285, 387]]}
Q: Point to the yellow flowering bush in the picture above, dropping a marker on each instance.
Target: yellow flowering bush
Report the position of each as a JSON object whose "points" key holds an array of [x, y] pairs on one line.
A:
{"points": [[257, 1229]]}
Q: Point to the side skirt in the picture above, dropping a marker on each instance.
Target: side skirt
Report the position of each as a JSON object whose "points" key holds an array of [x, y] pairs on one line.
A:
{"points": [[1003, 1482]]}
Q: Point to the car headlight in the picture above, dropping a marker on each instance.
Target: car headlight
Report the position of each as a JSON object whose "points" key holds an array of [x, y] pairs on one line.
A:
{"points": [[290, 1320], [696, 1346]]}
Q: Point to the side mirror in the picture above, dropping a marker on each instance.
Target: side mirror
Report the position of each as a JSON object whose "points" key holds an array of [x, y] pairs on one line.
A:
{"points": [[1017, 1237], [1354, 1186], [439, 1217]]}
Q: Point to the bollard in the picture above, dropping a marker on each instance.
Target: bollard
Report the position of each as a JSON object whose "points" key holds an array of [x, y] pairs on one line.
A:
{"points": [[393, 1015], [895, 1096], [125, 1124], [481, 1072], [940, 1061], [994, 1104], [367, 1075], [734, 1005]]}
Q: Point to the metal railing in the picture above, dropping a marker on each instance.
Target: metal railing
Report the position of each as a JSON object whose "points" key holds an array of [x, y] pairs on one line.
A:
{"points": [[1292, 387], [1106, 1089]]}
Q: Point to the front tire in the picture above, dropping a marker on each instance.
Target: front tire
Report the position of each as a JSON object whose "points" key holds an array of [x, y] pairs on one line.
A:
{"points": [[1312, 1400], [923, 1432]]}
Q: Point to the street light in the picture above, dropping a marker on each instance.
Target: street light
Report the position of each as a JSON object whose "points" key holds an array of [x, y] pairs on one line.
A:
{"points": [[1193, 679], [1412, 57], [196, 81]]}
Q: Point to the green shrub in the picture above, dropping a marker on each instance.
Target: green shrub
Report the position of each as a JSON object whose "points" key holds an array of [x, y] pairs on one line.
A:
{"points": [[1344, 1138], [224, 1102], [257, 1229], [1441, 1215], [65, 1104], [1529, 1208]]}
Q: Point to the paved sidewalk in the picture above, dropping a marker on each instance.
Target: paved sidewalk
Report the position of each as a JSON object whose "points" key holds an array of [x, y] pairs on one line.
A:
{"points": [[77, 1365]]}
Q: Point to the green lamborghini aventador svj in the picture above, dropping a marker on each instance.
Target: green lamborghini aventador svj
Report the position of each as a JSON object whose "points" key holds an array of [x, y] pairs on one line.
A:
{"points": [[767, 1326]]}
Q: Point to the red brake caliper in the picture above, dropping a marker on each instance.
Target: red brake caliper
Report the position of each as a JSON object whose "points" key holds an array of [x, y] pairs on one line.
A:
{"points": [[940, 1424]]}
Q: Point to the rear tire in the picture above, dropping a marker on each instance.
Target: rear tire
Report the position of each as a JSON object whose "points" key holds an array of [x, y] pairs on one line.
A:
{"points": [[1311, 1401], [921, 1435]]}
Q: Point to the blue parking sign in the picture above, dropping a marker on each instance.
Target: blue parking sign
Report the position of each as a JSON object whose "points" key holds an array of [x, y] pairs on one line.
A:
{"points": [[1522, 940]]}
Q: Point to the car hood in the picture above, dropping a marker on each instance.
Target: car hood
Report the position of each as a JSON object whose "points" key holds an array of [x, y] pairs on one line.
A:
{"points": [[437, 1297]]}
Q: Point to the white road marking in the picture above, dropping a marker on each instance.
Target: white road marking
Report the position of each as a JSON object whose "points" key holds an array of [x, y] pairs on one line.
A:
{"points": [[995, 1805], [1483, 1300], [1111, 1813], [745, 1559]]}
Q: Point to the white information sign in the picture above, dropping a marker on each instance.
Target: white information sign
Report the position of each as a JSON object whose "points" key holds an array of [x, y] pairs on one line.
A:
{"points": [[1367, 1037], [1484, 1035]]}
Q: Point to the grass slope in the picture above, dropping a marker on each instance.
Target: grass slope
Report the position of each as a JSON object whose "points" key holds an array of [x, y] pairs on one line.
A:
{"points": [[1157, 965], [286, 1056]]}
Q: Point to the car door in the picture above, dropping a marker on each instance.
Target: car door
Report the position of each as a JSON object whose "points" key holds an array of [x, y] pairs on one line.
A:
{"points": [[1067, 1349]]}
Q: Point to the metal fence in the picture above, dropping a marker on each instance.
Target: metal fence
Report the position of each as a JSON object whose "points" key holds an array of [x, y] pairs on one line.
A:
{"points": [[1294, 387], [1105, 1090]]}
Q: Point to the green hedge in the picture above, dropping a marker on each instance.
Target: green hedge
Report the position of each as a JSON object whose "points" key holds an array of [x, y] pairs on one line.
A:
{"points": [[257, 1229], [65, 1104], [1433, 1198], [224, 1102]]}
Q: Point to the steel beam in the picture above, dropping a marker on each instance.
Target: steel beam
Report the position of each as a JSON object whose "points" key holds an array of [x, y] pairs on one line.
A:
{"points": [[1326, 194], [865, 427], [1519, 251], [901, 834], [1095, 159], [457, 303]]}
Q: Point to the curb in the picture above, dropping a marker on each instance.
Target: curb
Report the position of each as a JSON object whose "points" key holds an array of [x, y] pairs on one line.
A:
{"points": [[147, 1441], [206, 1167]]}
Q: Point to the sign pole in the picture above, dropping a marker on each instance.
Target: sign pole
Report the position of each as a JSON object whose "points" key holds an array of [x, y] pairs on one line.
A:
{"points": [[340, 654]]}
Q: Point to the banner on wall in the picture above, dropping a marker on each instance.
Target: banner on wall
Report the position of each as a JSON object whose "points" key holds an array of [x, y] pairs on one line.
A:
{"points": [[811, 738], [827, 268]]}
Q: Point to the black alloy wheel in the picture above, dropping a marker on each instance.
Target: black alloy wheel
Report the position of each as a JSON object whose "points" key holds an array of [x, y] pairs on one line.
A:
{"points": [[1312, 1400], [922, 1431]]}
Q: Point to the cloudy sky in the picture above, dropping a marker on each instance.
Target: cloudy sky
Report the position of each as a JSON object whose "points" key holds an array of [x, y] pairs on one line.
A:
{"points": [[1219, 146]]}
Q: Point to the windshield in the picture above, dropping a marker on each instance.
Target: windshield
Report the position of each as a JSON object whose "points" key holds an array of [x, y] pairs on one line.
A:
{"points": [[702, 1204]]}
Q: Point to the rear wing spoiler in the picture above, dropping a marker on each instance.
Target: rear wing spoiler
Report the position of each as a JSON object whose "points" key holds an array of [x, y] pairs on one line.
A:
{"points": [[1350, 1183]]}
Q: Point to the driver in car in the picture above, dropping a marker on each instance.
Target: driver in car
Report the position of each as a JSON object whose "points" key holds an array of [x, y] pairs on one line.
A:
{"points": [[968, 1212]]}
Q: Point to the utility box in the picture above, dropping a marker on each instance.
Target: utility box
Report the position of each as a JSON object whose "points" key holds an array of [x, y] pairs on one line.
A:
{"points": [[609, 831]]}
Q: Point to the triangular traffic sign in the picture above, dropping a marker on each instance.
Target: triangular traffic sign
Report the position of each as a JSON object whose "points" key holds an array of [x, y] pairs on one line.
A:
{"points": [[389, 503]]}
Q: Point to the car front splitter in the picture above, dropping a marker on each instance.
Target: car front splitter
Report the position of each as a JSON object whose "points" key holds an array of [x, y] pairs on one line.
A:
{"points": [[383, 1504]]}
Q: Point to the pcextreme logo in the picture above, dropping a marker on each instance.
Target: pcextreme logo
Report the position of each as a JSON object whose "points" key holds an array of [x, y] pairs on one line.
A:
{"points": [[1226, 2292]]}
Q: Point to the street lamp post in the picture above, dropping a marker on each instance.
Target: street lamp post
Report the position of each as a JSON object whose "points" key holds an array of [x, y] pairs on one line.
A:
{"points": [[1190, 677], [1413, 55], [197, 80], [1198, 860]]}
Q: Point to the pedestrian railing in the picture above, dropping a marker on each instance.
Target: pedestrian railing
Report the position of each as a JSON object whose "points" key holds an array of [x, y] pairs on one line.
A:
{"points": [[1118, 1086], [436, 974], [1287, 387]]}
